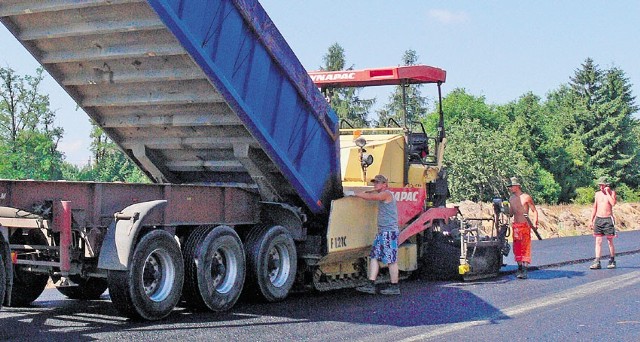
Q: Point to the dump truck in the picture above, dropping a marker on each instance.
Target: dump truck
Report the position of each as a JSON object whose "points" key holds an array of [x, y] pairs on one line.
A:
{"points": [[247, 159]]}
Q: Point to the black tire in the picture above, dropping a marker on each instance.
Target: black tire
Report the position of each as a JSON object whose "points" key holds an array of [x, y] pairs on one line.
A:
{"points": [[87, 289], [27, 285], [440, 258], [151, 287], [214, 268], [271, 262], [3, 277]]}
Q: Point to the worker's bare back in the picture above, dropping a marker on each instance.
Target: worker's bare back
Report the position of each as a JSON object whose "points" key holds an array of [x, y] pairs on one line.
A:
{"points": [[520, 205]]}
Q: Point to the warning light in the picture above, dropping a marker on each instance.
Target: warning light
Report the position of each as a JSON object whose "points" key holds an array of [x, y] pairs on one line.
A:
{"points": [[14, 257], [463, 269]]}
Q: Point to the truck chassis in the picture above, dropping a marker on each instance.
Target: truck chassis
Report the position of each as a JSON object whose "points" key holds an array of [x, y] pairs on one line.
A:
{"points": [[90, 236]]}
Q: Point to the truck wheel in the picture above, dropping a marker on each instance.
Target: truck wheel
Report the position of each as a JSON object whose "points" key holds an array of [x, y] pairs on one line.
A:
{"points": [[214, 268], [87, 289], [271, 262], [151, 287], [3, 278], [27, 285]]}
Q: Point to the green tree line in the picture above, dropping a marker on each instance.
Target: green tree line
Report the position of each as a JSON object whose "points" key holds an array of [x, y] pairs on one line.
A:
{"points": [[29, 139], [557, 145]]}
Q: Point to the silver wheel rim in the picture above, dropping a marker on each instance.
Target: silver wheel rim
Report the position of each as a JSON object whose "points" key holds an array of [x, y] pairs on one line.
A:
{"points": [[278, 265], [224, 270], [158, 275]]}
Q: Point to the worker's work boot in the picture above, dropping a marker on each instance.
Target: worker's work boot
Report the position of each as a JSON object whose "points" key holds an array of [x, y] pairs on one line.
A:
{"points": [[369, 288], [522, 273], [596, 265], [612, 264], [519, 272], [391, 289]]}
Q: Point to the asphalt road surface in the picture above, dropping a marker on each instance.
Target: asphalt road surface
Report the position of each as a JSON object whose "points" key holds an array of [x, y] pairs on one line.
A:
{"points": [[561, 300]]}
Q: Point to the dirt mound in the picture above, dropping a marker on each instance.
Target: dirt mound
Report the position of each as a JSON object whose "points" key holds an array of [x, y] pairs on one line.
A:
{"points": [[562, 220]]}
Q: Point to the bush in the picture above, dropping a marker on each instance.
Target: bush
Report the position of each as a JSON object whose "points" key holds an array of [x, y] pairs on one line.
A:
{"points": [[546, 187], [627, 194], [584, 195]]}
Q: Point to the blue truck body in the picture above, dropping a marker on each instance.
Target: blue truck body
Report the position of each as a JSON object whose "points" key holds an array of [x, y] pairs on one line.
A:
{"points": [[193, 91]]}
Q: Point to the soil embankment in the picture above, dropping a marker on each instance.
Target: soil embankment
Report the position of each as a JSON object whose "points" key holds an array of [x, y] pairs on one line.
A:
{"points": [[563, 220]]}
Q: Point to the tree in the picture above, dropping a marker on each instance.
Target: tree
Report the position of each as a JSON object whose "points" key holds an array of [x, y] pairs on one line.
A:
{"points": [[116, 167], [26, 128], [346, 101], [487, 144], [480, 161], [561, 150], [416, 103], [604, 106], [586, 84], [111, 164], [459, 106], [100, 143], [528, 131], [74, 172], [636, 137], [335, 59], [525, 124], [619, 151]]}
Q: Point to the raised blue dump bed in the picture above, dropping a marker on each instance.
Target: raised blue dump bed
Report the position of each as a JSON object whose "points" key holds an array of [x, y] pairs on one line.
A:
{"points": [[194, 91]]}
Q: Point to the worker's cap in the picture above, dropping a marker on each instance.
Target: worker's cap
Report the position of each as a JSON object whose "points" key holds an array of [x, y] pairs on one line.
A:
{"points": [[514, 181], [379, 179], [603, 180]]}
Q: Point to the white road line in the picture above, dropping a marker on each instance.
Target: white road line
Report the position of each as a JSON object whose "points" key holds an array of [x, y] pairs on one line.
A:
{"points": [[552, 300]]}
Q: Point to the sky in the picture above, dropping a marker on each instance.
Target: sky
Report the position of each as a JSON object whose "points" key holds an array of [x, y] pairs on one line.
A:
{"points": [[496, 49]]}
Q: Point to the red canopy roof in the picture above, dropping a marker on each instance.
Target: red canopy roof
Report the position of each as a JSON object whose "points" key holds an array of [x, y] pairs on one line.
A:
{"points": [[380, 76]]}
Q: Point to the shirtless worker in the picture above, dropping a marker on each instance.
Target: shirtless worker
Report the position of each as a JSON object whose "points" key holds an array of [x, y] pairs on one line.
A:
{"points": [[520, 205], [602, 222]]}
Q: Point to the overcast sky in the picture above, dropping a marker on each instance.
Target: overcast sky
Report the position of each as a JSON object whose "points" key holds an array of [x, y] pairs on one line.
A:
{"points": [[497, 49]]}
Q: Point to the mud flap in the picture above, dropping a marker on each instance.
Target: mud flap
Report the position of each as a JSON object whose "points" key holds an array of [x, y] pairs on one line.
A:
{"points": [[122, 234]]}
